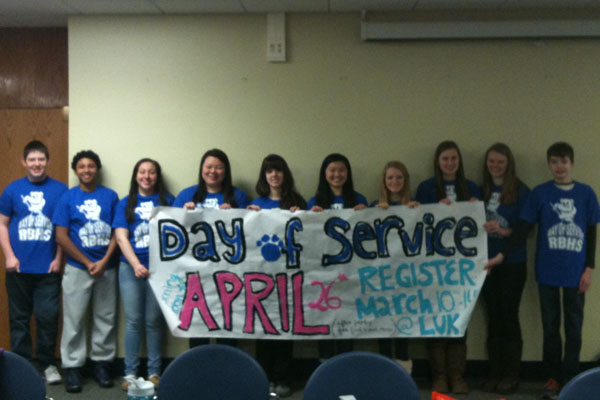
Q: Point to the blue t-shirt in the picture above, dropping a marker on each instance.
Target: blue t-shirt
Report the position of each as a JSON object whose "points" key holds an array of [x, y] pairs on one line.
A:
{"points": [[426, 191], [267, 203], [139, 229], [30, 206], [391, 203], [89, 216], [507, 216], [212, 200], [338, 202], [563, 217]]}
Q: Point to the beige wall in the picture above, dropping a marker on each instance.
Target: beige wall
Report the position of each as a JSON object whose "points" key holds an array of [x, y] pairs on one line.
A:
{"points": [[173, 87]]}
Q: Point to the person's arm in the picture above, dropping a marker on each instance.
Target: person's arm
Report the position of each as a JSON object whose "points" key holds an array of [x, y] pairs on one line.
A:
{"points": [[517, 235], [64, 241], [590, 260], [493, 226], [12, 262], [58, 262], [122, 237], [190, 205], [98, 267]]}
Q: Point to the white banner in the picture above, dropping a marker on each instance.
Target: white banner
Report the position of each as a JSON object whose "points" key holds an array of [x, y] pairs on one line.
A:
{"points": [[275, 274]]}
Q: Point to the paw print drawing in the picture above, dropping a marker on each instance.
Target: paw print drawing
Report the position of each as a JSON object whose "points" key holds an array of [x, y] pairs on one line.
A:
{"points": [[270, 247]]}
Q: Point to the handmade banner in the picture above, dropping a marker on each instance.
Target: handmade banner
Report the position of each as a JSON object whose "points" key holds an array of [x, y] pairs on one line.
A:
{"points": [[274, 274]]}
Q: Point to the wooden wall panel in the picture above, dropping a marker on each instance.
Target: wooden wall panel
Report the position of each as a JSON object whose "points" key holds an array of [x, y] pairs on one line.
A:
{"points": [[17, 128], [33, 68]]}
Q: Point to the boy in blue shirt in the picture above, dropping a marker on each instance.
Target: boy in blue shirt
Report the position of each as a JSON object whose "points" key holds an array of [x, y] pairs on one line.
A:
{"points": [[83, 219], [33, 260], [566, 213]]}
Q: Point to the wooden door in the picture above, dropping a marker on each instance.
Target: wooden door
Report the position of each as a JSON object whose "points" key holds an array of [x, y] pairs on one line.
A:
{"points": [[17, 128]]}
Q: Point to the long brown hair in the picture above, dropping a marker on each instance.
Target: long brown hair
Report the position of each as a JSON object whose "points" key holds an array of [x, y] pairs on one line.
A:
{"points": [[510, 186], [289, 195], [384, 193], [462, 189]]}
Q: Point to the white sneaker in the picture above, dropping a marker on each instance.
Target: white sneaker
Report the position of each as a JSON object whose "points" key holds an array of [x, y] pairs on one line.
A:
{"points": [[52, 375], [282, 390]]}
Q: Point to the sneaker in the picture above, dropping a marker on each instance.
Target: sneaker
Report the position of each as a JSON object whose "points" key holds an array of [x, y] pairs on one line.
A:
{"points": [[282, 390], [551, 390], [52, 375], [72, 380], [102, 376], [155, 379], [125, 383]]}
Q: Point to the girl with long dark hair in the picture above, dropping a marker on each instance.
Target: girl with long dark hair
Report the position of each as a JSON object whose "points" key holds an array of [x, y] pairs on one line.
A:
{"points": [[131, 224], [215, 188], [335, 191], [276, 189]]}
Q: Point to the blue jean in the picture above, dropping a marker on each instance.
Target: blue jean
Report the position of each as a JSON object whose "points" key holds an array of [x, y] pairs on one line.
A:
{"points": [[33, 294], [141, 312], [573, 303]]}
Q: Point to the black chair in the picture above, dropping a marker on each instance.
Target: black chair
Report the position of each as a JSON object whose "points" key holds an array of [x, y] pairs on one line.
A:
{"points": [[366, 376], [19, 380], [584, 386], [214, 372]]}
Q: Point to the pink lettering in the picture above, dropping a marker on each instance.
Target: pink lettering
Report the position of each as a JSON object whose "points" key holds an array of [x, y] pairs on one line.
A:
{"points": [[283, 302], [253, 304], [227, 297], [299, 327], [194, 298]]}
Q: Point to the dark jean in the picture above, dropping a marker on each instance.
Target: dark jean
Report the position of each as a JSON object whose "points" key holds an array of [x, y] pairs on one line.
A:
{"points": [[572, 303], [33, 294], [394, 348], [502, 293], [275, 356]]}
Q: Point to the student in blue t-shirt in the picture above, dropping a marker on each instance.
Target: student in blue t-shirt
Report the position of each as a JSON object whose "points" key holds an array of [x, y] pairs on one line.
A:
{"points": [[394, 190], [448, 357], [276, 189], [214, 190], [505, 196], [33, 261], [132, 230], [83, 221], [566, 213], [336, 192], [336, 189]]}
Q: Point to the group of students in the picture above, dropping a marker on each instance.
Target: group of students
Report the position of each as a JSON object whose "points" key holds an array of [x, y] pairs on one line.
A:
{"points": [[91, 223]]}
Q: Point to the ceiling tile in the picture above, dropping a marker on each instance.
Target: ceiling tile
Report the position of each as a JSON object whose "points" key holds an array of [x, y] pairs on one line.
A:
{"points": [[371, 5], [459, 4], [199, 6], [27, 21], [550, 3], [113, 6], [32, 7], [264, 6]]}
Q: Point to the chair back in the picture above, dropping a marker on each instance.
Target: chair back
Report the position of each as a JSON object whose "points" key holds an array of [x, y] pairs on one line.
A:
{"points": [[586, 385], [366, 376], [19, 380], [214, 372]]}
